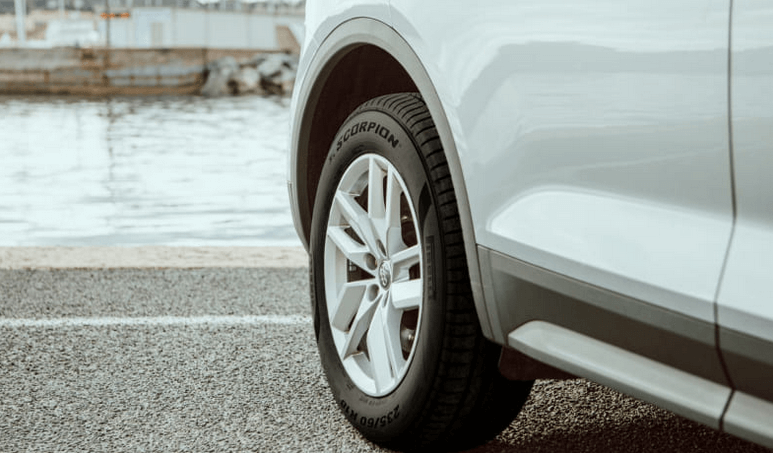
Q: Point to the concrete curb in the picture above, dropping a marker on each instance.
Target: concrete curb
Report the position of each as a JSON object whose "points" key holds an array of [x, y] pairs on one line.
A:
{"points": [[150, 257]]}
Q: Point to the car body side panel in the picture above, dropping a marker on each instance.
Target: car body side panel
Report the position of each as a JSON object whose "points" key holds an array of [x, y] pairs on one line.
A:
{"points": [[524, 293], [588, 143], [593, 135], [745, 303]]}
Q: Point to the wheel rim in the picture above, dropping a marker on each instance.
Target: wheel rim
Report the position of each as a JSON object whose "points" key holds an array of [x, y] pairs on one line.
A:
{"points": [[373, 275]]}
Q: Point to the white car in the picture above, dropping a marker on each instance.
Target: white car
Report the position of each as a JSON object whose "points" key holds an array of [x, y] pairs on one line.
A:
{"points": [[493, 192]]}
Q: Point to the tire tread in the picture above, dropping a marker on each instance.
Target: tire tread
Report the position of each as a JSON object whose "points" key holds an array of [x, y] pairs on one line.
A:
{"points": [[470, 401]]}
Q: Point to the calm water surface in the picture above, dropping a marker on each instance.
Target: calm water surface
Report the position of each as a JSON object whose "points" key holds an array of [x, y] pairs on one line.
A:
{"points": [[135, 171]]}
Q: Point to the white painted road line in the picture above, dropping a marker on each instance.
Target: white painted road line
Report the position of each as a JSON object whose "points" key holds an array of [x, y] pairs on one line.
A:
{"points": [[156, 321]]}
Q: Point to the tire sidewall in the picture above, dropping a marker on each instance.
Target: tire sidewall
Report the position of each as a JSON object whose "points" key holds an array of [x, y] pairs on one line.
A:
{"points": [[394, 413]]}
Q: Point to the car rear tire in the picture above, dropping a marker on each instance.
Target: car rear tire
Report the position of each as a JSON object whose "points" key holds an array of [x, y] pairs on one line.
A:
{"points": [[396, 327]]}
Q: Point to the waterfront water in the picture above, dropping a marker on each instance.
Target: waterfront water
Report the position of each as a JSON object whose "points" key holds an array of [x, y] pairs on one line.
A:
{"points": [[138, 171]]}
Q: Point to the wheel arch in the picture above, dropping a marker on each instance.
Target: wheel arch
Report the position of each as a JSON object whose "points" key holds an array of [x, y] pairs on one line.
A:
{"points": [[359, 60]]}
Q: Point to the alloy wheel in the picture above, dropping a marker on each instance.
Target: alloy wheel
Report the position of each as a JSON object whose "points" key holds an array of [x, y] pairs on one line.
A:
{"points": [[373, 274]]}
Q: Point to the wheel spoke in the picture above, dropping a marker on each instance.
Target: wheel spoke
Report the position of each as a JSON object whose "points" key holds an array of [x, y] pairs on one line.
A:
{"points": [[392, 230], [350, 298], [406, 295], [358, 219], [393, 318], [403, 260], [384, 348], [376, 207], [393, 199], [352, 250], [360, 325]]}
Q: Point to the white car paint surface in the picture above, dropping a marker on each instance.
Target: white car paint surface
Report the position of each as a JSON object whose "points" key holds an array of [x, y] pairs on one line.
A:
{"points": [[593, 135]]}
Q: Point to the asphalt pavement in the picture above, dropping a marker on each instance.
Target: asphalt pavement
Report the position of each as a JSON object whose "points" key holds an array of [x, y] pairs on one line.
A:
{"points": [[224, 359]]}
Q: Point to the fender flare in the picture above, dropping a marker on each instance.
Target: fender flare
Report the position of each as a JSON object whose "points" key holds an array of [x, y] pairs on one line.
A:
{"points": [[353, 33]]}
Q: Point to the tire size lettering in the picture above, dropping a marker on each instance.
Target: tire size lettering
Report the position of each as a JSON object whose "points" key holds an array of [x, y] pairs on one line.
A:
{"points": [[366, 126], [381, 422], [348, 411]]}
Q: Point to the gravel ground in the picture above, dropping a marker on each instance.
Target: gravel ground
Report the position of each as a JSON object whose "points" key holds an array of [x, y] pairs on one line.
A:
{"points": [[249, 380]]}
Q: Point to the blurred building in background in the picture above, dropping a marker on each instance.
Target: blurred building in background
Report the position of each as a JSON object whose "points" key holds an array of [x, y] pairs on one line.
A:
{"points": [[234, 24]]}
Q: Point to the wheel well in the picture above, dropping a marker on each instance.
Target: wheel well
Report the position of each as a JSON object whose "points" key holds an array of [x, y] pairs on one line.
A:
{"points": [[356, 74]]}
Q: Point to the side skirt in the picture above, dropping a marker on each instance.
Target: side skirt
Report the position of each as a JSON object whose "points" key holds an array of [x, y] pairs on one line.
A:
{"points": [[683, 393]]}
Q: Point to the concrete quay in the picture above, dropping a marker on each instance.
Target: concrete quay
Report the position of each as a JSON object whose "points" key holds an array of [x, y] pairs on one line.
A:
{"points": [[101, 72]]}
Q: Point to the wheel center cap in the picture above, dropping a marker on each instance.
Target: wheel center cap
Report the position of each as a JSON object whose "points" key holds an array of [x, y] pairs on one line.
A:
{"points": [[385, 274]]}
